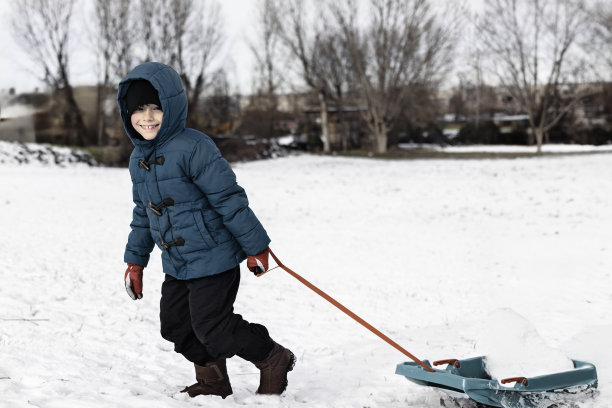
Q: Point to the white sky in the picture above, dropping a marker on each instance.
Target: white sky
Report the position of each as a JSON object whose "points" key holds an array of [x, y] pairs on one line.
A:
{"points": [[17, 69]]}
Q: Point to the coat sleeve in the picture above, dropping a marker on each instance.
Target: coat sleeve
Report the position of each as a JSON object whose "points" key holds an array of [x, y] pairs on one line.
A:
{"points": [[140, 243], [212, 174]]}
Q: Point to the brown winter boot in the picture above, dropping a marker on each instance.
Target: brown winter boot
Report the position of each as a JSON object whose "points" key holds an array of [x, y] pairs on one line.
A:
{"points": [[273, 370], [212, 380]]}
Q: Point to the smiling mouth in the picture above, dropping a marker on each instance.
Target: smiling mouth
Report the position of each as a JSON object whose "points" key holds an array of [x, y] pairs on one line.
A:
{"points": [[149, 127]]}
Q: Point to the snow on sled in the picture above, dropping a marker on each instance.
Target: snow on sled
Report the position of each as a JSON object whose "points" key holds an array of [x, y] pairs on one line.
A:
{"points": [[470, 377]]}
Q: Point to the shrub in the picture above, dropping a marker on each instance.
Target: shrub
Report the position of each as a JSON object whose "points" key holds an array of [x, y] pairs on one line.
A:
{"points": [[485, 133]]}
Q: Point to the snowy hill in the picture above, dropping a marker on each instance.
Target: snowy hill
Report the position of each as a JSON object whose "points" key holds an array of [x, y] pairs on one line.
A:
{"points": [[43, 154], [450, 258]]}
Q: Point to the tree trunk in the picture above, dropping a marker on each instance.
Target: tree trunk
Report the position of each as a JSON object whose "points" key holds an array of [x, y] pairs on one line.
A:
{"points": [[75, 112], [193, 97], [101, 121], [73, 108], [324, 122], [341, 126], [539, 134], [380, 135], [477, 123]]}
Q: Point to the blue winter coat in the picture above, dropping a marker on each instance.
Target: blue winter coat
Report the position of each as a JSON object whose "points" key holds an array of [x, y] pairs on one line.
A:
{"points": [[187, 200]]}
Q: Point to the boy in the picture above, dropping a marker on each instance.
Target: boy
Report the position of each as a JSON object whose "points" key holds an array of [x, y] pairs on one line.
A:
{"points": [[189, 204]]}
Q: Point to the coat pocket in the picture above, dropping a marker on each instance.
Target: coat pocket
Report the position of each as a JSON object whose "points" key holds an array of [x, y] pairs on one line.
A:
{"points": [[199, 222]]}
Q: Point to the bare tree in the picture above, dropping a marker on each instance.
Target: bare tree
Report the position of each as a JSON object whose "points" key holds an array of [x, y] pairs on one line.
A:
{"points": [[266, 51], [43, 28], [114, 36], [202, 44], [320, 55], [302, 37], [403, 46], [478, 97], [221, 110], [163, 24], [332, 66], [476, 66], [601, 15], [186, 34], [533, 46]]}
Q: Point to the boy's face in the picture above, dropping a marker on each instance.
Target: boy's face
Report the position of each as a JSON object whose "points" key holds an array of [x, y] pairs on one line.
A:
{"points": [[147, 120]]}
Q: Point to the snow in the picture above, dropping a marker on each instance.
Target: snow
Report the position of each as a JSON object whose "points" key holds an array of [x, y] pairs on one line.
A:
{"points": [[285, 140], [546, 148], [450, 258], [513, 345], [43, 155]]}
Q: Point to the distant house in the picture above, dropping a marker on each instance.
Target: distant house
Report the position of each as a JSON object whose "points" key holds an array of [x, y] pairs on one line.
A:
{"points": [[37, 117], [17, 113], [347, 121], [18, 128], [508, 123], [465, 104]]}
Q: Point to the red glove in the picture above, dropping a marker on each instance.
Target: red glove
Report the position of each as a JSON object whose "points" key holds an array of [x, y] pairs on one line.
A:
{"points": [[258, 264], [133, 281]]}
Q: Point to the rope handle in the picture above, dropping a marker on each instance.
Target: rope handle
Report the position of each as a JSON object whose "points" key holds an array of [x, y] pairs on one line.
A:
{"points": [[522, 380], [349, 313], [450, 361]]}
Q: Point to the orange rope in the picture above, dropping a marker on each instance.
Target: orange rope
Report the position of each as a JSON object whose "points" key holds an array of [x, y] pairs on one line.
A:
{"points": [[351, 314]]}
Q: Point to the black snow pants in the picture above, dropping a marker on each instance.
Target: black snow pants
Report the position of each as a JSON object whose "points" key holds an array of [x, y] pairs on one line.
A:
{"points": [[197, 315]]}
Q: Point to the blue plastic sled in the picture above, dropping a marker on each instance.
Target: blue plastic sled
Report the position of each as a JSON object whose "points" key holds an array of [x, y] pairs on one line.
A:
{"points": [[470, 377]]}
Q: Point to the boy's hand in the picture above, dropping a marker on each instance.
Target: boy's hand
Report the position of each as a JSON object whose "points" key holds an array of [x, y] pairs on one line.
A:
{"points": [[258, 264], [133, 281]]}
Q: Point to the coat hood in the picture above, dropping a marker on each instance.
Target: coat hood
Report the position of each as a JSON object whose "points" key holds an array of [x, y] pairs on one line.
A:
{"points": [[173, 100]]}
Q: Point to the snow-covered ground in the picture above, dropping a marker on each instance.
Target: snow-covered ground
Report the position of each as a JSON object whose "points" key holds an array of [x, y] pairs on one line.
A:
{"points": [[547, 148], [452, 259]]}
